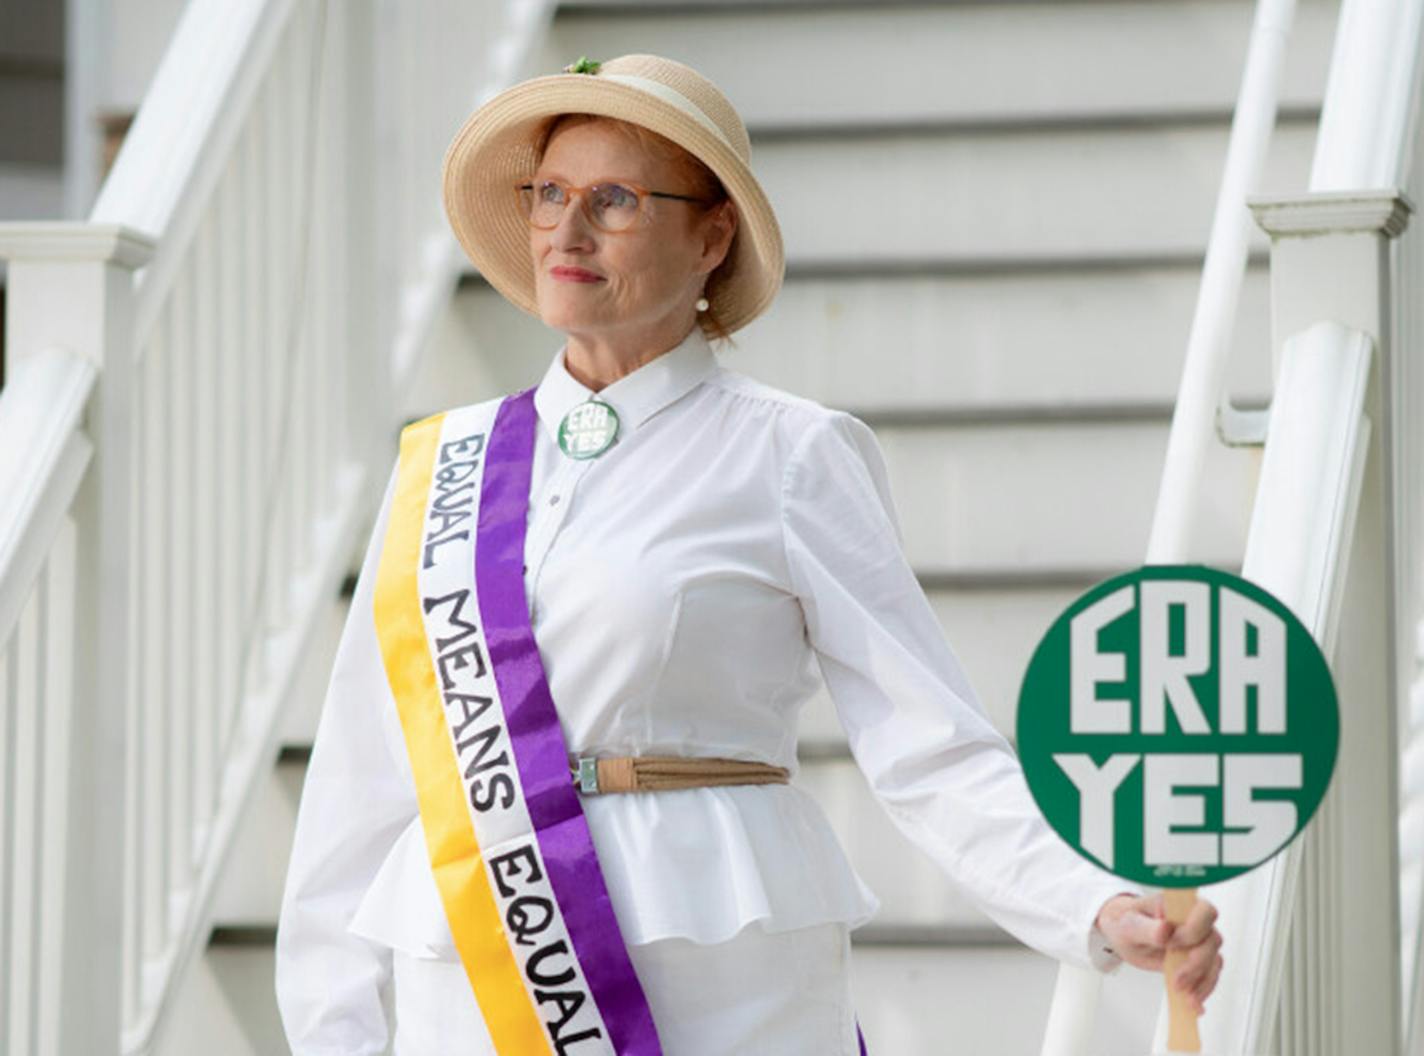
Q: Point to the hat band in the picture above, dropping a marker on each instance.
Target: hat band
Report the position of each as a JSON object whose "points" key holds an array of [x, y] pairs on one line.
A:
{"points": [[668, 95]]}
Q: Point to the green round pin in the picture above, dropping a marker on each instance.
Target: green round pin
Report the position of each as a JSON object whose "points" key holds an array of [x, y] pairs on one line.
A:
{"points": [[588, 430]]}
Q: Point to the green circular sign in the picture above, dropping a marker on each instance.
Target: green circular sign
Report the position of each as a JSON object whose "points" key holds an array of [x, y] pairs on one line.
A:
{"points": [[1177, 725]]}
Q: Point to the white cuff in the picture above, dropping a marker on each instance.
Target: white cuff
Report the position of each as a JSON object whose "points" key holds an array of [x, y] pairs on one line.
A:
{"points": [[1100, 955]]}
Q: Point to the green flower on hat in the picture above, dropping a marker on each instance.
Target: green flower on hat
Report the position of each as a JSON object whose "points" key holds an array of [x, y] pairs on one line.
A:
{"points": [[584, 65]]}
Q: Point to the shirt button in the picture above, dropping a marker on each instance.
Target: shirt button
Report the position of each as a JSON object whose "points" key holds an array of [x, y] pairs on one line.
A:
{"points": [[526, 568], [553, 500]]}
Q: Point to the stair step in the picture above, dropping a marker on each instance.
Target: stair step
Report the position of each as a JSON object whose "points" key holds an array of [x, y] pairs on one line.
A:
{"points": [[919, 901], [992, 628], [250, 894], [914, 893], [957, 60], [910, 998], [992, 618], [987, 1001], [226, 1006], [1010, 194], [304, 710], [961, 936], [1062, 341], [1055, 339], [238, 936], [982, 497], [916, 896], [982, 490]]}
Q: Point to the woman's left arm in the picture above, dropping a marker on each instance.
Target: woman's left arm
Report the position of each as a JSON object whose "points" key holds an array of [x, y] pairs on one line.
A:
{"points": [[947, 778]]}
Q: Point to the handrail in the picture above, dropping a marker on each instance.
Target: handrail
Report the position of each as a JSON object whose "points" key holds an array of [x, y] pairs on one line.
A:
{"points": [[43, 455], [1300, 537], [1203, 407], [1201, 399], [237, 384], [1367, 122], [1370, 138], [1201, 402], [1300, 534], [1367, 138]]}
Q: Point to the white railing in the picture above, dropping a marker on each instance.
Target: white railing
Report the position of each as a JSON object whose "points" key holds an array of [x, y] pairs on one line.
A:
{"points": [[1408, 415], [230, 332], [1316, 959], [1335, 951], [1202, 412], [43, 458]]}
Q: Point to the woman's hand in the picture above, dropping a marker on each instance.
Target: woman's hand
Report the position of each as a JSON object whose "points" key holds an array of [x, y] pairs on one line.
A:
{"points": [[1139, 933]]}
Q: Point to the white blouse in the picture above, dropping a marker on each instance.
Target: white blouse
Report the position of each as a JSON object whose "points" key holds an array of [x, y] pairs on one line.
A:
{"points": [[684, 589]]}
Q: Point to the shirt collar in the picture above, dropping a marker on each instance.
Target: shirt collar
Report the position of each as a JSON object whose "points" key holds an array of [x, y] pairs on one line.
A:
{"points": [[636, 396]]}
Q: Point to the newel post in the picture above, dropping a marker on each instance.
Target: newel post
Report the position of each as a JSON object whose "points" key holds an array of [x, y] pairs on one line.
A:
{"points": [[1332, 260], [71, 285]]}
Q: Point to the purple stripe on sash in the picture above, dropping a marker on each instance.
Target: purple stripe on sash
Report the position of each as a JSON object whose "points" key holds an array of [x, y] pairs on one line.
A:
{"points": [[540, 752]]}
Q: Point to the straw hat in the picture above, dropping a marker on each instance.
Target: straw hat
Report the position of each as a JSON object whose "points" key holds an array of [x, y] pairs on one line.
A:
{"points": [[494, 150]]}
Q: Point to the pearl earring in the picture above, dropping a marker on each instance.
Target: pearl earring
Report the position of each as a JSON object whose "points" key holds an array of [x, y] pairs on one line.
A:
{"points": [[702, 304]]}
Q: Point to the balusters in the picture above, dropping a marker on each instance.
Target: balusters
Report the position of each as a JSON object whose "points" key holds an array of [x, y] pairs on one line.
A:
{"points": [[241, 417], [206, 728], [32, 864], [35, 688], [11, 767], [299, 402], [148, 733], [325, 135], [57, 659], [1317, 942], [1336, 921], [291, 407], [280, 256], [153, 589], [225, 426], [255, 318], [337, 363], [268, 356], [179, 327], [134, 901], [1308, 1019], [21, 808]]}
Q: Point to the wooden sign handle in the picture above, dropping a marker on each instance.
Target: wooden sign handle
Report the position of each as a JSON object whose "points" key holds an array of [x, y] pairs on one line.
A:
{"points": [[1182, 1033]]}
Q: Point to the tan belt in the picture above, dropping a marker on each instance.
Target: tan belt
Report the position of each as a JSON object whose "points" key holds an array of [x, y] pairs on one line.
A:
{"points": [[654, 773]]}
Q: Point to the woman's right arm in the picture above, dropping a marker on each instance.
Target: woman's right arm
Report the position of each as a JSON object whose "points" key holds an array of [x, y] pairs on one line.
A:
{"points": [[355, 802]]}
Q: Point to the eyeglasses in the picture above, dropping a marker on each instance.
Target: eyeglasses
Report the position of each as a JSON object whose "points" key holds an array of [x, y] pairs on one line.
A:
{"points": [[613, 207]]}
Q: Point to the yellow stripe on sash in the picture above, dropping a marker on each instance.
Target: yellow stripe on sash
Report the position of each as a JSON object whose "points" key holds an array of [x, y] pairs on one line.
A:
{"points": [[449, 834]]}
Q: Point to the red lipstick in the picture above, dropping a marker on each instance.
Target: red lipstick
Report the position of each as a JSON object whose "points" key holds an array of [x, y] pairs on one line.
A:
{"points": [[568, 274]]}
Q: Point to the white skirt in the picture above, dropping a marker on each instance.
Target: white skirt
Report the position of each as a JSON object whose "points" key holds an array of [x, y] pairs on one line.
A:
{"points": [[759, 994]]}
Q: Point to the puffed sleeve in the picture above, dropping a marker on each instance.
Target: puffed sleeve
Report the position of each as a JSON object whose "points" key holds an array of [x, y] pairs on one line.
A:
{"points": [[946, 777], [356, 800]]}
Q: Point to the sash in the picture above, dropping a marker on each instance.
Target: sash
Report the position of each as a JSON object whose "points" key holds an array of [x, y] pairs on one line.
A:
{"points": [[509, 846]]}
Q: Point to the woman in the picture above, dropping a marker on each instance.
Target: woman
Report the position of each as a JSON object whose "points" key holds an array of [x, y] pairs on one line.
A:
{"points": [[668, 550]]}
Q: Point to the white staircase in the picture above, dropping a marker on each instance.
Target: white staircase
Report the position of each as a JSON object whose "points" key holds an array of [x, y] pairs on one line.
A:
{"points": [[995, 216], [995, 213]]}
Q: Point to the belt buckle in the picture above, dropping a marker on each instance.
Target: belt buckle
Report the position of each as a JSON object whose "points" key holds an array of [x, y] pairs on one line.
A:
{"points": [[586, 776]]}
